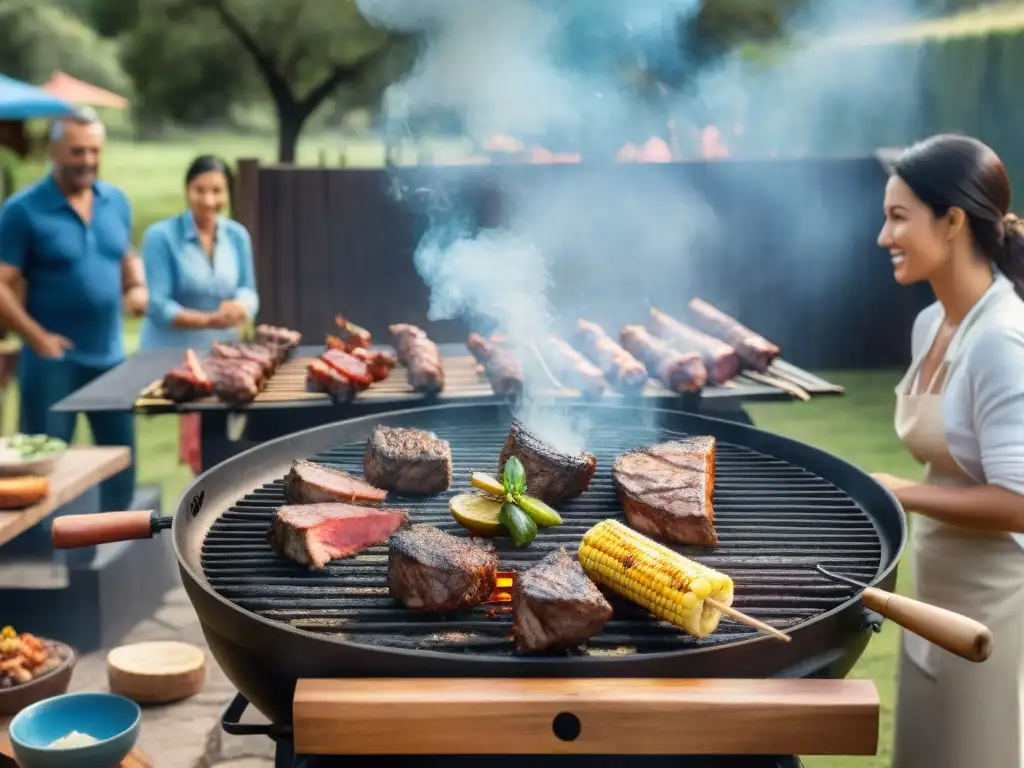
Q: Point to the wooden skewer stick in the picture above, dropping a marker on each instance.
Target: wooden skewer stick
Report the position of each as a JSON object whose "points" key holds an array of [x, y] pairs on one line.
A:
{"points": [[785, 386], [540, 359], [750, 621]]}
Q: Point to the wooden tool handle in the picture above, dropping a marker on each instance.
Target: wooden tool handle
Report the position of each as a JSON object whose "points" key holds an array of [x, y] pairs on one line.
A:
{"points": [[954, 632], [73, 531]]}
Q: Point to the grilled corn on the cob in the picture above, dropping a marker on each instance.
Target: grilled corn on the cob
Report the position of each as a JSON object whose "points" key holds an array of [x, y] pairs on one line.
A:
{"points": [[664, 582]]}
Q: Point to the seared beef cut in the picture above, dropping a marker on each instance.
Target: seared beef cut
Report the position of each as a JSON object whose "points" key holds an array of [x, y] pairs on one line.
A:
{"points": [[573, 369], [378, 363], [551, 475], [721, 360], [235, 382], [678, 371], [281, 337], [188, 381], [753, 349], [666, 490], [314, 534], [349, 366], [320, 377], [621, 369], [431, 570], [408, 461], [265, 355], [351, 334], [310, 483], [420, 356], [556, 605], [501, 366]]}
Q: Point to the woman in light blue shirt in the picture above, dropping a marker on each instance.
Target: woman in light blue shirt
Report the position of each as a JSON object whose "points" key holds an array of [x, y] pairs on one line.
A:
{"points": [[199, 267]]}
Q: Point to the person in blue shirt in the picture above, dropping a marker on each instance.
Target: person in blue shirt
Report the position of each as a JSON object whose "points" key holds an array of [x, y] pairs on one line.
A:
{"points": [[68, 236], [202, 287], [199, 267]]}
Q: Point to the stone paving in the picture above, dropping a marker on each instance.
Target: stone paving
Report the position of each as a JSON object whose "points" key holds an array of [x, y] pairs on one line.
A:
{"points": [[186, 734]]}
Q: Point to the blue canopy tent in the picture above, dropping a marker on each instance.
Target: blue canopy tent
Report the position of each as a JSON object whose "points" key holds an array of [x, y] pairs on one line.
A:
{"points": [[21, 101]]}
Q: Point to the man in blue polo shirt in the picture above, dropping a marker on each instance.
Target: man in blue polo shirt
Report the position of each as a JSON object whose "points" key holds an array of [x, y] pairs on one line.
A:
{"points": [[69, 237]]}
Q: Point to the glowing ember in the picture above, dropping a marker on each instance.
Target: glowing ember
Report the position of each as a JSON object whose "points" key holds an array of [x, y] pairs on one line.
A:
{"points": [[503, 587]]}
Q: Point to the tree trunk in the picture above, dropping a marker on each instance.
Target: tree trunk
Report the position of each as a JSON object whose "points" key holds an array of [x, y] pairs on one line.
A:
{"points": [[289, 127]]}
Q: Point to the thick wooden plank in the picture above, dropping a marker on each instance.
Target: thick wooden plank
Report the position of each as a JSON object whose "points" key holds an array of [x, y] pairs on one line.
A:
{"points": [[78, 470], [617, 716]]}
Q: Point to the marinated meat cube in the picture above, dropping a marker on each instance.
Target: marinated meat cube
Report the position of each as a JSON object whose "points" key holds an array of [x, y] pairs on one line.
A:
{"points": [[378, 363], [315, 534], [408, 461], [282, 337], [431, 570], [188, 381], [320, 377], [666, 490], [556, 605], [349, 366], [265, 355], [420, 356], [311, 483], [235, 381], [352, 335], [551, 475]]}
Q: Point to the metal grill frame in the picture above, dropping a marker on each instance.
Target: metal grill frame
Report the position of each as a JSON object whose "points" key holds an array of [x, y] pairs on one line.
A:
{"points": [[264, 658]]}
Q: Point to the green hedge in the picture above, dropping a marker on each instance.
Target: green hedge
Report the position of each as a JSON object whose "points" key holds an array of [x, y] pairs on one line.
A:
{"points": [[854, 99]]}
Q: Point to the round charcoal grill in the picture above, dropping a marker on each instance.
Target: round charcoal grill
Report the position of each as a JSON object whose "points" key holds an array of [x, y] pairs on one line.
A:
{"points": [[782, 508], [776, 522]]}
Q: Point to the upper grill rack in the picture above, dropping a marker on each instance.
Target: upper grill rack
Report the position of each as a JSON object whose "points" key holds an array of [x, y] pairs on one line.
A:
{"points": [[776, 522]]}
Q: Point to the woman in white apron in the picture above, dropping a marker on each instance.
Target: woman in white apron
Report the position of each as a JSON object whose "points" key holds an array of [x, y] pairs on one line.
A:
{"points": [[960, 413]]}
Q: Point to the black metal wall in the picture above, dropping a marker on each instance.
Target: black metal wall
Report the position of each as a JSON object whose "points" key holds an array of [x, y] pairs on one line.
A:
{"points": [[790, 249]]}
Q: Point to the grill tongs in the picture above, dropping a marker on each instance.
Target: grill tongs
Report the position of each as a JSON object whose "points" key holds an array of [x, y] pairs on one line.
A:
{"points": [[951, 631]]}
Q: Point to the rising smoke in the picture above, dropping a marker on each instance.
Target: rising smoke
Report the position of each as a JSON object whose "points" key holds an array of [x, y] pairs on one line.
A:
{"points": [[551, 72]]}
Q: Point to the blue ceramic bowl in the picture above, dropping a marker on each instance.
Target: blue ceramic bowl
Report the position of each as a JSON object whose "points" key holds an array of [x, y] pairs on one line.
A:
{"points": [[114, 720]]}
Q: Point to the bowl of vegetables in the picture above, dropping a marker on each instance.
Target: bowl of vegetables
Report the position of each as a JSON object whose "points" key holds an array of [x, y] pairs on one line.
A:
{"points": [[31, 669], [30, 454]]}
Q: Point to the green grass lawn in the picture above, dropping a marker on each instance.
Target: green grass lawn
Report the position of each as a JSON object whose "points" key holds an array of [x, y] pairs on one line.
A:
{"points": [[857, 427]]}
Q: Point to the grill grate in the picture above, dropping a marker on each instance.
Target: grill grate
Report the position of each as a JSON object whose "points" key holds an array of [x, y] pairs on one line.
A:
{"points": [[776, 522]]}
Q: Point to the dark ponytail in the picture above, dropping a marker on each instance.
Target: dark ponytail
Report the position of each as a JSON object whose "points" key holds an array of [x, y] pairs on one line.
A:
{"points": [[212, 164], [954, 171]]}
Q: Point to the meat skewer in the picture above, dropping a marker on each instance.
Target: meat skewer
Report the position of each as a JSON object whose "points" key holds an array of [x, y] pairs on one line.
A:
{"points": [[679, 371], [721, 360], [420, 356], [281, 337], [501, 366], [378, 362], [753, 349], [352, 334], [320, 377], [574, 369], [620, 368]]}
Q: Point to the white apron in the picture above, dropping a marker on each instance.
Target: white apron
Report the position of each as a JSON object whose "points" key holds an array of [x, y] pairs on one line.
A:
{"points": [[953, 713]]}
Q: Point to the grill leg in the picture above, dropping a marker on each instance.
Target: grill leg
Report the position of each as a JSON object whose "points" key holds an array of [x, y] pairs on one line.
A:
{"points": [[284, 754]]}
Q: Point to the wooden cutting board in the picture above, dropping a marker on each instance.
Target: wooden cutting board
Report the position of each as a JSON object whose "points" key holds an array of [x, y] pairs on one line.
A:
{"points": [[586, 716], [137, 759]]}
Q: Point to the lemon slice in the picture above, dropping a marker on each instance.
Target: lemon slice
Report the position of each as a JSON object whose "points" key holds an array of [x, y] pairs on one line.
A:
{"points": [[477, 512]]}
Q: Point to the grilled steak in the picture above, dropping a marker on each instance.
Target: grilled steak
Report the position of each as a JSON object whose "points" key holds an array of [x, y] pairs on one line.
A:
{"points": [[408, 461], [721, 360], [349, 366], [235, 381], [431, 570], [280, 337], [314, 534], [264, 354], [352, 335], [188, 381], [621, 369], [320, 377], [420, 356], [309, 483], [551, 476], [753, 349], [501, 366], [574, 370], [556, 605], [678, 371], [666, 490]]}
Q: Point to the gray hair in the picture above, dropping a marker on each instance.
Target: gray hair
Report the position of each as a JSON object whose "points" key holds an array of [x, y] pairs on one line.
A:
{"points": [[81, 116]]}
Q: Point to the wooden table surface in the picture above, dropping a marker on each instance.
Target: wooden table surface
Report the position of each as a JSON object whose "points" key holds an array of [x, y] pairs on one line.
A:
{"points": [[78, 470]]}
